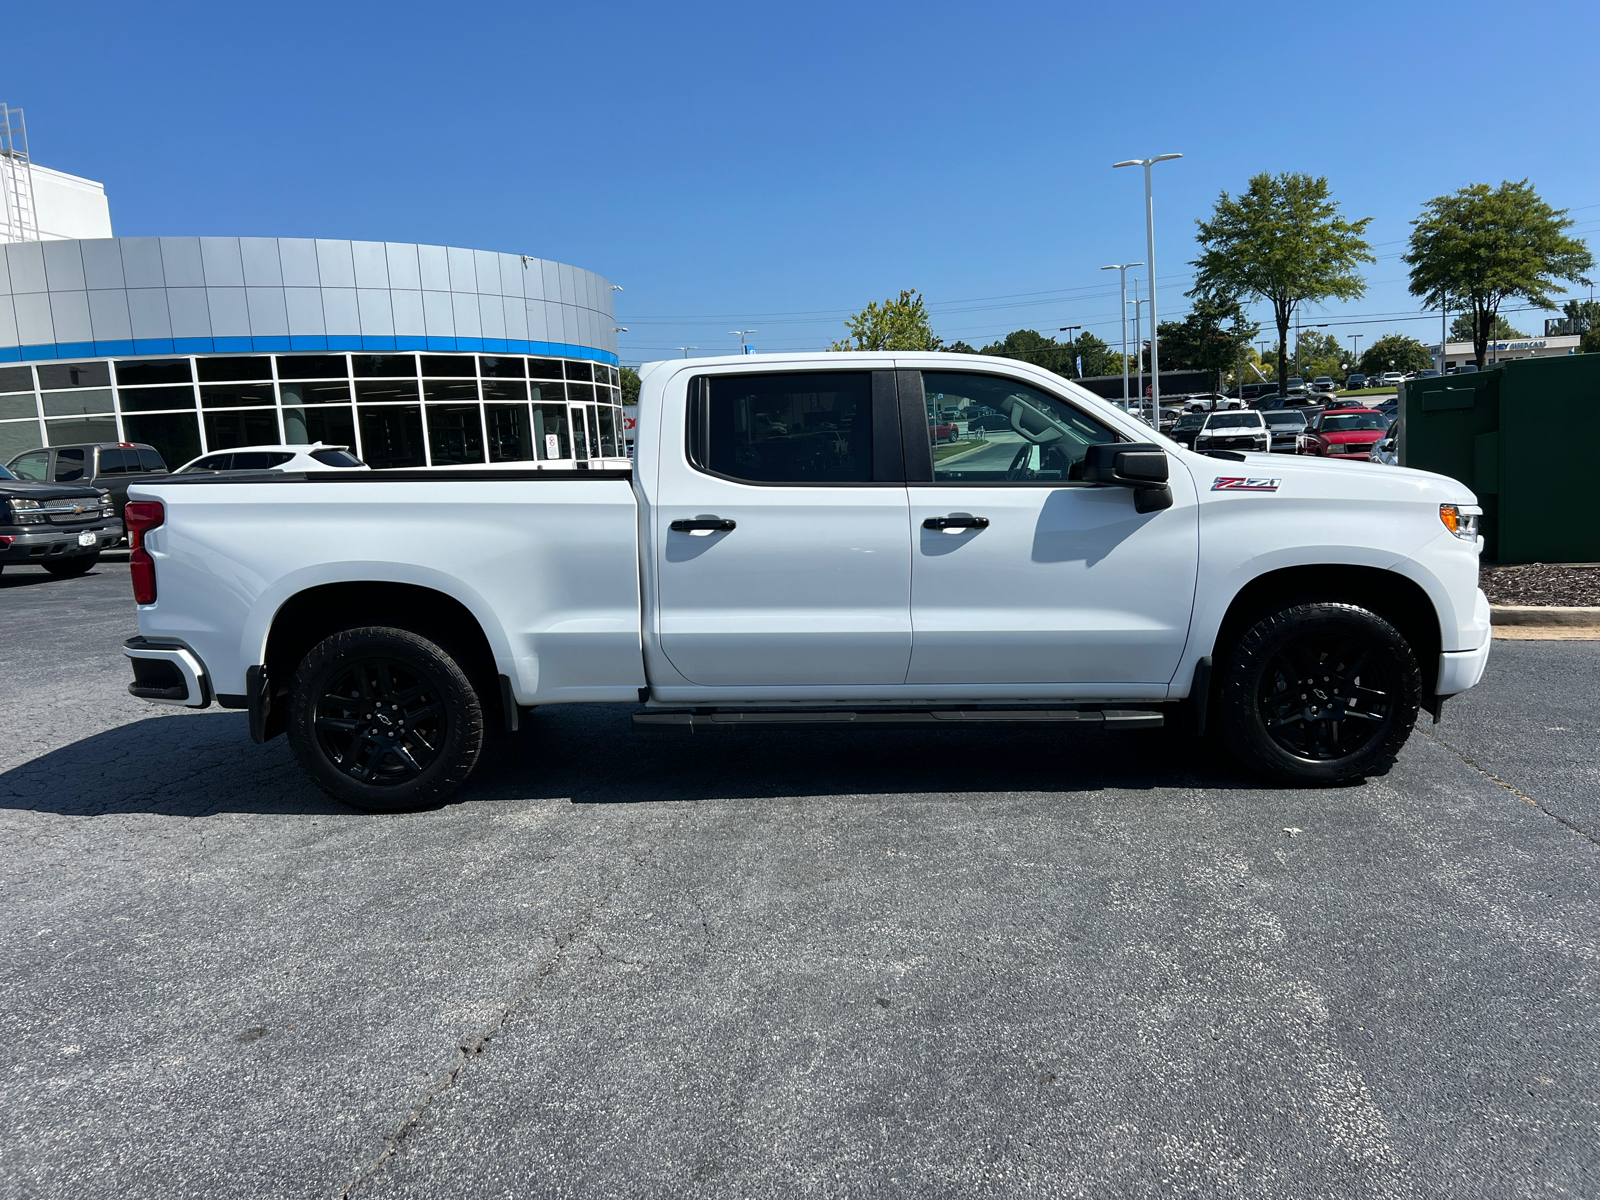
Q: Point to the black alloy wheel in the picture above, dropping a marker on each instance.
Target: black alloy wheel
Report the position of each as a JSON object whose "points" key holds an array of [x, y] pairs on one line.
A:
{"points": [[381, 722], [1321, 691], [384, 719]]}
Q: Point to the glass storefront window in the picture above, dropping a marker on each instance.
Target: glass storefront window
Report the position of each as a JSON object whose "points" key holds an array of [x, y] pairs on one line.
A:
{"points": [[510, 433], [315, 393], [17, 436], [502, 367], [580, 393], [580, 434], [176, 436], [152, 370], [236, 395], [391, 436], [333, 425], [552, 439], [591, 415], [150, 399], [15, 408], [505, 390], [16, 379], [455, 433], [234, 370], [389, 391], [74, 375], [608, 432], [544, 368], [580, 371], [448, 366], [383, 366], [95, 429], [438, 392], [71, 404], [311, 366], [253, 427]]}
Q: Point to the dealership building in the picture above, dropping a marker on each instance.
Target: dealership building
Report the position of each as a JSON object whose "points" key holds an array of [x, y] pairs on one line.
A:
{"points": [[411, 355]]}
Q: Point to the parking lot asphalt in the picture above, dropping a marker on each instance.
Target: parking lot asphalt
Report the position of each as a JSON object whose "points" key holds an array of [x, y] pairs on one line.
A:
{"points": [[774, 964]]}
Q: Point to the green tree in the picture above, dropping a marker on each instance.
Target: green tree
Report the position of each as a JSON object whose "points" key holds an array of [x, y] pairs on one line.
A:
{"points": [[1478, 247], [1031, 346], [1395, 352], [1580, 316], [1317, 353], [1462, 329], [630, 385], [896, 324], [1589, 343], [959, 347], [1284, 241], [1213, 337]]}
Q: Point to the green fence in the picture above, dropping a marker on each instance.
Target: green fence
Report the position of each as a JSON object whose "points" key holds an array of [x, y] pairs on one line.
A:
{"points": [[1525, 436]]}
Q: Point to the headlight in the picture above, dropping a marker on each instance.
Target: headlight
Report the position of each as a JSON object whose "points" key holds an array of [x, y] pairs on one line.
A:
{"points": [[1459, 522], [106, 507], [26, 512]]}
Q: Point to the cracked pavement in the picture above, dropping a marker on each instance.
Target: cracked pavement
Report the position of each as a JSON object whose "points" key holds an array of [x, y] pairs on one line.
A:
{"points": [[773, 964]]}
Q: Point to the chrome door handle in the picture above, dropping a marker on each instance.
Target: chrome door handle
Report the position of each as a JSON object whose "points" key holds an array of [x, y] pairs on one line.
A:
{"points": [[956, 524], [701, 526]]}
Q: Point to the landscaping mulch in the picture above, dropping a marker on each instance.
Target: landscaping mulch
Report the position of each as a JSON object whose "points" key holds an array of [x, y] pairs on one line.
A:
{"points": [[1543, 584]]}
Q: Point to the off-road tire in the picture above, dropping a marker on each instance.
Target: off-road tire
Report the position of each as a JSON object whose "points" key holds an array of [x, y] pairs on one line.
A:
{"points": [[333, 756], [1347, 659], [77, 564]]}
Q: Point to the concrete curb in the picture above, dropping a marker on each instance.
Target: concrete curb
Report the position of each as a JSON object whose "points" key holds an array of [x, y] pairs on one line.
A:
{"points": [[1546, 615]]}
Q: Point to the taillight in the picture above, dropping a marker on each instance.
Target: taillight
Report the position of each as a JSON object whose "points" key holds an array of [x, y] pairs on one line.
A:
{"points": [[141, 517]]}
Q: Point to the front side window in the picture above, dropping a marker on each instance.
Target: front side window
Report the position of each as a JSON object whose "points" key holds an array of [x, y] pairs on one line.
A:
{"points": [[32, 466], [1040, 440], [803, 427]]}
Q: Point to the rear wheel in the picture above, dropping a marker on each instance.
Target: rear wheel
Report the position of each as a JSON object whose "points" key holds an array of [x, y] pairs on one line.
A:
{"points": [[78, 564], [384, 720], [1320, 692]]}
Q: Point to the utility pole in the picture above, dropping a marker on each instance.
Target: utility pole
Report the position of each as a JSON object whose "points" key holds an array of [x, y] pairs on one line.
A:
{"points": [[1150, 271], [1122, 268]]}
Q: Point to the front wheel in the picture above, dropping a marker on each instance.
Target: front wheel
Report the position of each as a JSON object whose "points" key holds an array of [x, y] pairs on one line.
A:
{"points": [[384, 720], [1319, 692], [78, 564]]}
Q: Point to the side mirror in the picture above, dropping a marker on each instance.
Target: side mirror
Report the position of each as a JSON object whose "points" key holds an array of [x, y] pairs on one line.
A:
{"points": [[1138, 465]]}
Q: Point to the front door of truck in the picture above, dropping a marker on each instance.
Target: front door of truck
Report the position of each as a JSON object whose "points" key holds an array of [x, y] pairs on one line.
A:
{"points": [[783, 551], [1021, 573]]}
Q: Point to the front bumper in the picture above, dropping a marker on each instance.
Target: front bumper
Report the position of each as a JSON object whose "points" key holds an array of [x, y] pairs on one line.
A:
{"points": [[167, 673], [31, 543], [1462, 669]]}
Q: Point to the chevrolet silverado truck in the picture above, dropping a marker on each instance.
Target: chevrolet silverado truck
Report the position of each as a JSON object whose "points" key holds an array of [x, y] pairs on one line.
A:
{"points": [[61, 527], [793, 547]]}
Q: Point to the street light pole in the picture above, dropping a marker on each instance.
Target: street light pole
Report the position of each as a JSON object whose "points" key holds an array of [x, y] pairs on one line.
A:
{"points": [[1355, 349], [1122, 268], [1138, 344], [740, 334], [1150, 266], [686, 349], [1067, 329]]}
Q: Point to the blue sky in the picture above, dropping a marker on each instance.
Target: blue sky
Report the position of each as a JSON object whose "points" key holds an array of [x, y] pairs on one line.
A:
{"points": [[737, 166]]}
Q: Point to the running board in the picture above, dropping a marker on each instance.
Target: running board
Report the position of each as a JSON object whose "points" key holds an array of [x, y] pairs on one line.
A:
{"points": [[700, 722]]}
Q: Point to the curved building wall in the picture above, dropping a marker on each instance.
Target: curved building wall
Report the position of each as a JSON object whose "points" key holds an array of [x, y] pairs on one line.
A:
{"points": [[414, 355]]}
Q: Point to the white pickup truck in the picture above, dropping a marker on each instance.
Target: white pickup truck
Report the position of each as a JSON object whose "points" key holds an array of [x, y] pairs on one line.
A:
{"points": [[795, 546]]}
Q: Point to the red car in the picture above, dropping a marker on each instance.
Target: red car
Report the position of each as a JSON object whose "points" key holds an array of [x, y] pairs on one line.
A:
{"points": [[1344, 433], [943, 431]]}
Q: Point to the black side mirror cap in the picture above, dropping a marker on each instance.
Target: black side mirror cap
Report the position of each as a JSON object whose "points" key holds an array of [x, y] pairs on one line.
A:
{"points": [[1125, 464]]}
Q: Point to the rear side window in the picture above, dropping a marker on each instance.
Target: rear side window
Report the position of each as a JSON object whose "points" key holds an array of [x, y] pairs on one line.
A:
{"points": [[69, 465], [259, 460], [118, 462], [213, 462], [151, 461], [336, 458], [802, 427]]}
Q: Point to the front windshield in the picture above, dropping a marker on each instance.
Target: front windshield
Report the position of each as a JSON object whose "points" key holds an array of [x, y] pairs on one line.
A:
{"points": [[1190, 421], [1350, 422], [1291, 420], [5, 474], [1235, 420]]}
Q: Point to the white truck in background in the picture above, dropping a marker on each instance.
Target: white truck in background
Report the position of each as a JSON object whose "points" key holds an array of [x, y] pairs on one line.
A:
{"points": [[792, 546]]}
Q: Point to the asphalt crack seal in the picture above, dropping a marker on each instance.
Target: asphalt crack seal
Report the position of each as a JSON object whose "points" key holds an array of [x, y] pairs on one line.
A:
{"points": [[470, 1048], [1512, 788]]}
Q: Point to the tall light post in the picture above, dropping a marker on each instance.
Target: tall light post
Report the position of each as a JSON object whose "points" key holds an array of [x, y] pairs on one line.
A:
{"points": [[1138, 344], [1150, 266], [686, 349], [1067, 329], [1122, 268], [740, 334], [1355, 349]]}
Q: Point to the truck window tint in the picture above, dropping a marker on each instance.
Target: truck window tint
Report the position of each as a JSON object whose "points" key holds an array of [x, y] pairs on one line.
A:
{"points": [[33, 466], [118, 462], [803, 427], [69, 465], [149, 460], [990, 429]]}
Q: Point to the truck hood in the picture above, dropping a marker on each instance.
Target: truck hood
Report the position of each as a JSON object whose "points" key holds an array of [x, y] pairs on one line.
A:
{"points": [[1331, 478], [27, 489]]}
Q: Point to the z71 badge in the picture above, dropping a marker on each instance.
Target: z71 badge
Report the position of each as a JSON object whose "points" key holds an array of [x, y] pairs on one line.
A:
{"points": [[1235, 483]]}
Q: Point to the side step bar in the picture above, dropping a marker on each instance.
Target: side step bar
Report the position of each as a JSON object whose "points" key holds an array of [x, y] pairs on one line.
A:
{"points": [[701, 722]]}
